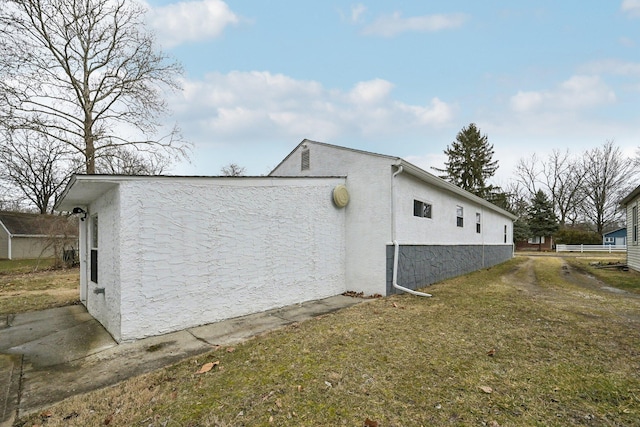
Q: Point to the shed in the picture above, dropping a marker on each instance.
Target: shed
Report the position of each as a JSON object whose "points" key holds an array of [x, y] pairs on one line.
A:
{"points": [[27, 235], [630, 203], [159, 254], [616, 237]]}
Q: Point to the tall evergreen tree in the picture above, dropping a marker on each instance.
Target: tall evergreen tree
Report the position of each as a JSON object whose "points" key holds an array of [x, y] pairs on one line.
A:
{"points": [[470, 162], [542, 219]]}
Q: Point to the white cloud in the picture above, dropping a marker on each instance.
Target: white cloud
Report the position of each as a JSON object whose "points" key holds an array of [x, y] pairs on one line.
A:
{"points": [[391, 25], [247, 106], [190, 21], [356, 12], [370, 92], [613, 66], [627, 42], [631, 6], [576, 93]]}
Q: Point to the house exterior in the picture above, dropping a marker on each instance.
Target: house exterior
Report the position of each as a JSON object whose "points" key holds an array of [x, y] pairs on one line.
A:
{"points": [[160, 254], [541, 243], [631, 204], [30, 236], [615, 237]]}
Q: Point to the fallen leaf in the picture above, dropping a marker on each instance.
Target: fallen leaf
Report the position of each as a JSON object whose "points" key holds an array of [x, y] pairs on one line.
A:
{"points": [[370, 423], [486, 389], [46, 414], [207, 367], [279, 403], [328, 384], [395, 306], [271, 419], [108, 420], [491, 352], [299, 389], [231, 349]]}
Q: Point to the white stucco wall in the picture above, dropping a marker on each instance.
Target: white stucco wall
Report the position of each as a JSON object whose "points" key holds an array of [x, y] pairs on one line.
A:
{"points": [[368, 215], [105, 307], [442, 228], [195, 251]]}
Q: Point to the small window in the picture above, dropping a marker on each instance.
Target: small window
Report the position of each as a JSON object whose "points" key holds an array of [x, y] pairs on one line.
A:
{"points": [[93, 267], [478, 222], [536, 240], [305, 160], [421, 209], [459, 216], [609, 240], [505, 234], [634, 221]]}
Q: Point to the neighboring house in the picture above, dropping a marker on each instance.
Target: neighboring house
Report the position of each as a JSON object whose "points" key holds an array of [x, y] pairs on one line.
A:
{"points": [[26, 235], [630, 204], [160, 254], [616, 237], [544, 243]]}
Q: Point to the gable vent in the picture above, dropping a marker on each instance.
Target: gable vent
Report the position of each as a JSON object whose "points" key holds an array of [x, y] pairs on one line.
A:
{"points": [[305, 160]]}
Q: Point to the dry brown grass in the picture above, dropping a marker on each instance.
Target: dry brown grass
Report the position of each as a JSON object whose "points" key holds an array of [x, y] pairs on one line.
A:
{"points": [[523, 343], [22, 289]]}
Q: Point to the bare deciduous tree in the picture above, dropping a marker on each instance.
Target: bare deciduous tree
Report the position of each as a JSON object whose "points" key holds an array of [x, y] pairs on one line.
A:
{"points": [[560, 176], [85, 73], [608, 177], [36, 166], [232, 169], [129, 162]]}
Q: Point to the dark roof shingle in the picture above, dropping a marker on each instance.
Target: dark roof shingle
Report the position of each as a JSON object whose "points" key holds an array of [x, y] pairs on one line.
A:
{"points": [[27, 224]]}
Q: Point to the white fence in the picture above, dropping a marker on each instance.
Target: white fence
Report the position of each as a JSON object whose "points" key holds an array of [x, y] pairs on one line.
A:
{"points": [[591, 248]]}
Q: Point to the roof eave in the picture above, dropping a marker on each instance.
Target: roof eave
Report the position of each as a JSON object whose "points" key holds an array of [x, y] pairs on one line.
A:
{"points": [[630, 197], [445, 185]]}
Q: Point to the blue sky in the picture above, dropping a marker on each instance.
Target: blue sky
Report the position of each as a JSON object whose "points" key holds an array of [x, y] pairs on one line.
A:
{"points": [[400, 78]]}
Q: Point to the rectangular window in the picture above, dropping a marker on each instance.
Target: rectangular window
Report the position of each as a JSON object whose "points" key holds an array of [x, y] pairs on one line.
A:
{"points": [[609, 240], [634, 221], [421, 209], [478, 222], [459, 216], [93, 267], [305, 160], [505, 234], [536, 240]]}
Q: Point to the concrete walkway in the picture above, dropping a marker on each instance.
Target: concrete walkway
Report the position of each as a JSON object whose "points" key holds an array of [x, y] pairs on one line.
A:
{"points": [[49, 355]]}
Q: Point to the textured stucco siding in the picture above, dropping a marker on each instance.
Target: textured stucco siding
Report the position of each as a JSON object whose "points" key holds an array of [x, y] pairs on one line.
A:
{"points": [[105, 307], [422, 265], [196, 252], [441, 228], [368, 215], [633, 249]]}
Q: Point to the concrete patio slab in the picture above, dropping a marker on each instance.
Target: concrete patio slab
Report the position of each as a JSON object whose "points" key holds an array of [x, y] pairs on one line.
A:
{"points": [[49, 355]]}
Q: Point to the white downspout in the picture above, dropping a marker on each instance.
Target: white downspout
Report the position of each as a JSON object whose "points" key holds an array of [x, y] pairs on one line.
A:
{"points": [[396, 246]]}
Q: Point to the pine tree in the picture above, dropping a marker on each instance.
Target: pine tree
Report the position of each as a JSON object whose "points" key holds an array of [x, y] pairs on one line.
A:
{"points": [[471, 162], [542, 219]]}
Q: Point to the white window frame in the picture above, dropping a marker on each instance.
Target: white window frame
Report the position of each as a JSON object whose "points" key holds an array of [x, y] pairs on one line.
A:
{"points": [[538, 240], [93, 243], [459, 216], [478, 222], [423, 211], [634, 224]]}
